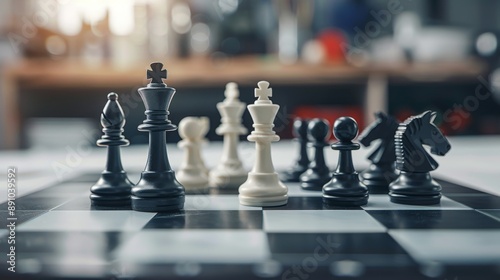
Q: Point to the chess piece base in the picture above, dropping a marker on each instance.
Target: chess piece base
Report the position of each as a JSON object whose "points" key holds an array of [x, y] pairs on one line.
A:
{"points": [[158, 192], [230, 179], [377, 178], [192, 179], [415, 188], [314, 180], [111, 189], [345, 190], [346, 201], [262, 190], [415, 200]]}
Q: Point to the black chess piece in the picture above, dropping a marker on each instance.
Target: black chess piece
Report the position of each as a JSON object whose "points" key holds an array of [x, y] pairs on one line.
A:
{"points": [[345, 189], [158, 190], [317, 173], [414, 184], [113, 187], [301, 164], [382, 170]]}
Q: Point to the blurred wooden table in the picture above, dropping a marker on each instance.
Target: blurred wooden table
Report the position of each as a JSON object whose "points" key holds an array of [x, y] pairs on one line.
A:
{"points": [[203, 72]]}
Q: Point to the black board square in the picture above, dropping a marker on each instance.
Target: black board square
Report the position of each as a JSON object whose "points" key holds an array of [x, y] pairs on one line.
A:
{"points": [[434, 219], [333, 243], [37, 203], [486, 201], [84, 203], [227, 219], [21, 215], [307, 203], [492, 213], [452, 188]]}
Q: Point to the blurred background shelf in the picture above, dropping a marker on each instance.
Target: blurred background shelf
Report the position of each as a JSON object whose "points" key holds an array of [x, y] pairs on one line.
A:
{"points": [[201, 72], [38, 87]]}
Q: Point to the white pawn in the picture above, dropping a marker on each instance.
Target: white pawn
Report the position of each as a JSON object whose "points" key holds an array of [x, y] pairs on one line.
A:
{"points": [[192, 173], [263, 187], [230, 172]]}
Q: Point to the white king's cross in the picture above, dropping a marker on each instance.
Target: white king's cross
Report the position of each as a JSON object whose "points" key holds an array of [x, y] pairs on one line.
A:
{"points": [[263, 92]]}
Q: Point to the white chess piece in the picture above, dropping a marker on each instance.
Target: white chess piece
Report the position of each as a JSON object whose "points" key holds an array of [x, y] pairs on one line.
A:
{"points": [[192, 173], [263, 187], [230, 172], [204, 127]]}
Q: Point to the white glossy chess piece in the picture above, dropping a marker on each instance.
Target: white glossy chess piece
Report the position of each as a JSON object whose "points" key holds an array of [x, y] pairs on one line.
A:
{"points": [[230, 172], [192, 173], [263, 187]]}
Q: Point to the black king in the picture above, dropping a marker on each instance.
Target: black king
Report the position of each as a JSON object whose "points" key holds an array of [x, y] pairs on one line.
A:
{"points": [[158, 190]]}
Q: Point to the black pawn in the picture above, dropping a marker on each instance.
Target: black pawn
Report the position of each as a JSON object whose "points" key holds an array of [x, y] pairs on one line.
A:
{"points": [[317, 173], [302, 162], [113, 188], [158, 190], [345, 189]]}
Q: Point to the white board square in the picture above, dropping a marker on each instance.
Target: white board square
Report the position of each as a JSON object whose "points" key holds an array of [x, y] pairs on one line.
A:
{"points": [[383, 202], [88, 221], [450, 246], [206, 246], [219, 202], [320, 221]]}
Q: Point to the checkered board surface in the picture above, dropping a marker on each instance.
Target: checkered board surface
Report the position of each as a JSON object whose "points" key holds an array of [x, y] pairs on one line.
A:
{"points": [[59, 234]]}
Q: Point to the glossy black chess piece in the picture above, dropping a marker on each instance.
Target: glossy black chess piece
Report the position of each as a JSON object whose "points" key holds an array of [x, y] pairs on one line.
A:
{"points": [[382, 170], [317, 173], [301, 164], [345, 189], [113, 187], [158, 190], [414, 184]]}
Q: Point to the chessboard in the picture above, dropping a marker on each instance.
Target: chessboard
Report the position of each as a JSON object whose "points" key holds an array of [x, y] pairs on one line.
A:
{"points": [[59, 234]]}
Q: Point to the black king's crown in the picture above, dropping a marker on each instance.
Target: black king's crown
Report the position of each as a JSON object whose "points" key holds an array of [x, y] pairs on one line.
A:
{"points": [[157, 97]]}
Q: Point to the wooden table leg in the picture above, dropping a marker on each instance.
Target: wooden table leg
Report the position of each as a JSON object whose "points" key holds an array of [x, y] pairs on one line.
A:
{"points": [[11, 112], [376, 96]]}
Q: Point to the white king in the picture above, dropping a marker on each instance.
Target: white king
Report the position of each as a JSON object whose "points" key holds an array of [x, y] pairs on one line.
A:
{"points": [[263, 187], [230, 173]]}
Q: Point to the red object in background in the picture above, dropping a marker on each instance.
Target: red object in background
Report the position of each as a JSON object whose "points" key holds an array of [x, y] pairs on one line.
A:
{"points": [[331, 113], [332, 41], [459, 125], [403, 114], [458, 122]]}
